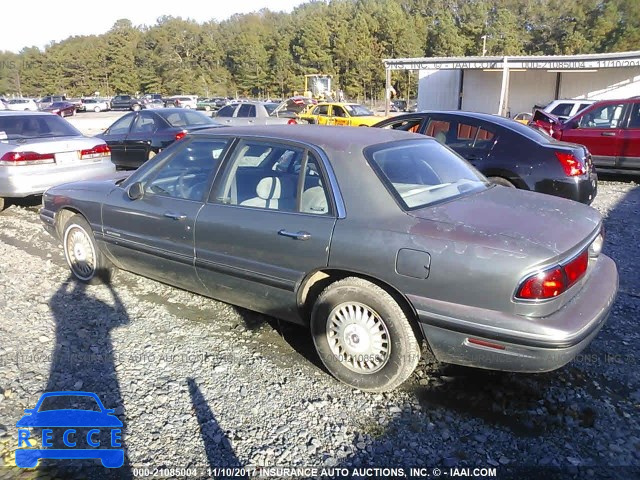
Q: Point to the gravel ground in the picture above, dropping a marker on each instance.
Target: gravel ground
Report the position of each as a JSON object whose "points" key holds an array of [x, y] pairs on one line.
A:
{"points": [[200, 384]]}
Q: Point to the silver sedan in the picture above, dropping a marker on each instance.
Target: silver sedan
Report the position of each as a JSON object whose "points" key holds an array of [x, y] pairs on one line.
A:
{"points": [[39, 150]]}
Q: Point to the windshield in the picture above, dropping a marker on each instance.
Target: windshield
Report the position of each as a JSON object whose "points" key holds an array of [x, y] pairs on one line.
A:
{"points": [[35, 126], [358, 110], [186, 117], [423, 172], [69, 402]]}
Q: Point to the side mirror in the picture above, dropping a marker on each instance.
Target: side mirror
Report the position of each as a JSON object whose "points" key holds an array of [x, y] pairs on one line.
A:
{"points": [[135, 191]]}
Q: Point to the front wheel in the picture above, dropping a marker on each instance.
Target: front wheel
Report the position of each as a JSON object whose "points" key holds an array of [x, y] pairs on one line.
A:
{"points": [[84, 258], [363, 336], [96, 109]]}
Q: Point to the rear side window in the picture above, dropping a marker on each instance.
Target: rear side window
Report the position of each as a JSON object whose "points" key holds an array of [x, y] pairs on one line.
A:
{"points": [[422, 172], [562, 109]]}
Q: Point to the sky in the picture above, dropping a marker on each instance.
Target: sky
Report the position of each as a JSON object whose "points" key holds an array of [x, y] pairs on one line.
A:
{"points": [[31, 22]]}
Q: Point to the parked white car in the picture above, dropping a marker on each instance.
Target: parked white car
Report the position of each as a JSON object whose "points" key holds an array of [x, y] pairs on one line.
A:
{"points": [[21, 104], [95, 104], [183, 101], [567, 108]]}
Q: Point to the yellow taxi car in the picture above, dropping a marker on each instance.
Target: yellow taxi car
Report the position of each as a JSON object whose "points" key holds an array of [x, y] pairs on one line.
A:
{"points": [[333, 113]]}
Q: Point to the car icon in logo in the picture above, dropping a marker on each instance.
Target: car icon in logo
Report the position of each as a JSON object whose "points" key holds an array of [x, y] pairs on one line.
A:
{"points": [[68, 420]]}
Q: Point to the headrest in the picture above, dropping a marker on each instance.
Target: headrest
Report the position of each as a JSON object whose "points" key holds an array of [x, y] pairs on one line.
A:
{"points": [[272, 188]]}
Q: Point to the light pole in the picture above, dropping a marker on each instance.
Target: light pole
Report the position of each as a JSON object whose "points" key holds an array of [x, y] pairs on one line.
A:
{"points": [[484, 45]]}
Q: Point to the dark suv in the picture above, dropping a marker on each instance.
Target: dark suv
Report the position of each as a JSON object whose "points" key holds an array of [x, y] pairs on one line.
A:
{"points": [[610, 129], [126, 102]]}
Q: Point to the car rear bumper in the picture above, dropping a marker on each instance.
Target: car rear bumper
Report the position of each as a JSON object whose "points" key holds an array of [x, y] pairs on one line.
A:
{"points": [[581, 189], [24, 181], [481, 338]]}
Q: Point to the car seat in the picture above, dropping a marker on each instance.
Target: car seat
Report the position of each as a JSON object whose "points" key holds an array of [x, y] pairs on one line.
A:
{"points": [[273, 193]]}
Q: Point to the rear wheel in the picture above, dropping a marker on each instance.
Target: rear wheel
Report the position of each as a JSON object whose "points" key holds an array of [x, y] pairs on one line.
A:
{"points": [[84, 258], [363, 336], [501, 181]]}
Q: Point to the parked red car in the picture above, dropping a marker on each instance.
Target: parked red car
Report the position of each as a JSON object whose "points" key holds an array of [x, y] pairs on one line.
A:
{"points": [[610, 129], [63, 109]]}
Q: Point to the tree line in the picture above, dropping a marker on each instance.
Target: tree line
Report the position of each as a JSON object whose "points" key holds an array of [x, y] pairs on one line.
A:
{"points": [[267, 54]]}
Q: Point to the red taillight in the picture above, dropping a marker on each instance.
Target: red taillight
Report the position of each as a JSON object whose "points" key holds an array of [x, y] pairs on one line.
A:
{"points": [[26, 158], [553, 282], [101, 150], [547, 284], [571, 165], [292, 121], [180, 135], [576, 268]]}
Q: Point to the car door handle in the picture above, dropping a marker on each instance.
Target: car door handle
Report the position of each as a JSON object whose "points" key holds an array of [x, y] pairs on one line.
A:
{"points": [[175, 216], [608, 134], [295, 235]]}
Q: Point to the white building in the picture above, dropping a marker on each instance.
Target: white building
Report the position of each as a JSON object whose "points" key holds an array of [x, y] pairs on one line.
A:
{"points": [[510, 85]]}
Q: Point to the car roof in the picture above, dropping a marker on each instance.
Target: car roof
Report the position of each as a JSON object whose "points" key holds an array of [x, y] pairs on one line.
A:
{"points": [[333, 137], [9, 113]]}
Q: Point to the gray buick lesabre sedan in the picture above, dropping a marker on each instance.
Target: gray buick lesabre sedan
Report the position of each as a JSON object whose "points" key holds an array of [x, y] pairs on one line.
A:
{"points": [[376, 240]]}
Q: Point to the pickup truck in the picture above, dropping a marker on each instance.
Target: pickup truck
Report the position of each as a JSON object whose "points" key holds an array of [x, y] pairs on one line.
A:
{"points": [[610, 129], [126, 102]]}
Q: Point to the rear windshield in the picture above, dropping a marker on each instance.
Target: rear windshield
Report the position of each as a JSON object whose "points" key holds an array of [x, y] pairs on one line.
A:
{"points": [[35, 126], [423, 172], [183, 118]]}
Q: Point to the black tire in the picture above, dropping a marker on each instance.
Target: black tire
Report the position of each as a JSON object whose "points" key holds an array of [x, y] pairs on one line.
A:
{"points": [[392, 328], [86, 261], [501, 181]]}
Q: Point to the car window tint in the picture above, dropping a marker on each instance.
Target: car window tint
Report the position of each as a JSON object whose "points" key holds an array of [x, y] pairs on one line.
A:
{"points": [[33, 126], [246, 110], [339, 111], [184, 117], [145, 123], [423, 172], [583, 106], [227, 111], [252, 179], [314, 197], [606, 116], [438, 129], [121, 126], [187, 172], [634, 119], [562, 109], [407, 125]]}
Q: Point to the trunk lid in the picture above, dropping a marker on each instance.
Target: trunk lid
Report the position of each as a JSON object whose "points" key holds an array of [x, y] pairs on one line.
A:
{"points": [[546, 221]]}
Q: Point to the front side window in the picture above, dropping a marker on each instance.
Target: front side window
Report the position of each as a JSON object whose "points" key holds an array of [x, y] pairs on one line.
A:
{"points": [[226, 111], [423, 172], [634, 119], [607, 116], [122, 126], [338, 111], [407, 125], [187, 173], [274, 177]]}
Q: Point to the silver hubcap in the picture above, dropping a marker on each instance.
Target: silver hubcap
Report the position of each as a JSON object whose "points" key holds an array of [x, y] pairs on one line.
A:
{"points": [[358, 338], [80, 253]]}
